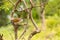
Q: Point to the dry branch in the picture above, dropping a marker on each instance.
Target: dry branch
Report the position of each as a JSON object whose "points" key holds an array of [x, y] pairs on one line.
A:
{"points": [[25, 28], [30, 15], [35, 25], [15, 26], [29, 11], [31, 18]]}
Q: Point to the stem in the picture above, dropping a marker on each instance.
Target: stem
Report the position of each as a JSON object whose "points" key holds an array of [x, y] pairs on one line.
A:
{"points": [[16, 37], [31, 18], [43, 15]]}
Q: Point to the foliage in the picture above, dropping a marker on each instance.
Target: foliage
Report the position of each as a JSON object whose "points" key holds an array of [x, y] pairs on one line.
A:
{"points": [[9, 34], [34, 14], [52, 22], [52, 8], [4, 11], [3, 17]]}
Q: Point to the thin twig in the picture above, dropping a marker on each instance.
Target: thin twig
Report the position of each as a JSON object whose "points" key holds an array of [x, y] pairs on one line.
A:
{"points": [[25, 28]]}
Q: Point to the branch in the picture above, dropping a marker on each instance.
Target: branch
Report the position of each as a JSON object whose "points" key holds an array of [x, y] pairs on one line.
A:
{"points": [[43, 4], [27, 8], [15, 26], [35, 25], [30, 15], [15, 7], [23, 38], [25, 28], [32, 4], [32, 34]]}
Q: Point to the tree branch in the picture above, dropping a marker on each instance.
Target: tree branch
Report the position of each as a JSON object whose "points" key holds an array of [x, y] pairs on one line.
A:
{"points": [[31, 18], [35, 25], [43, 4], [15, 26], [32, 4], [15, 7], [25, 28]]}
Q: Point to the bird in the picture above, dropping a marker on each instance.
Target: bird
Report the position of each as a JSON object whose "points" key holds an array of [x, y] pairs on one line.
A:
{"points": [[15, 20]]}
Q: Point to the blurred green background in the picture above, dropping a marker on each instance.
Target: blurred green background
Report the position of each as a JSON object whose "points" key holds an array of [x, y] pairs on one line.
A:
{"points": [[52, 18]]}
